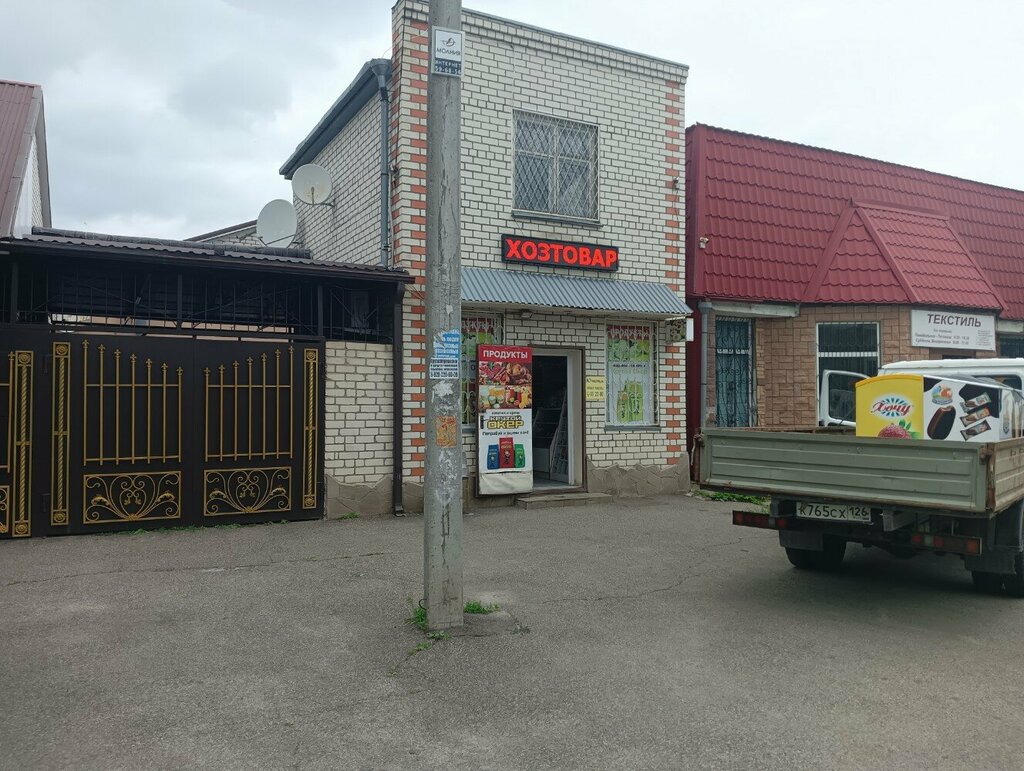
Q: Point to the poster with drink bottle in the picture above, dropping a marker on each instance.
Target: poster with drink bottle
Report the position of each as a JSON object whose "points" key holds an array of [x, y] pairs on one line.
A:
{"points": [[505, 430]]}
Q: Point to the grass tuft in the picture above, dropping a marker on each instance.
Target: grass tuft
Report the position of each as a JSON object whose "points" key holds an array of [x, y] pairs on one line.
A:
{"points": [[476, 607]]}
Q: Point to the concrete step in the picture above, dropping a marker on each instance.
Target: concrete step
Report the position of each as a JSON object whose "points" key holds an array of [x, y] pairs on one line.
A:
{"points": [[561, 499]]}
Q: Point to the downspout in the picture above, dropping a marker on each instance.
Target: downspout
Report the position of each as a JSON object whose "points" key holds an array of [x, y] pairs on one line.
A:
{"points": [[385, 167], [705, 309], [397, 322], [397, 378]]}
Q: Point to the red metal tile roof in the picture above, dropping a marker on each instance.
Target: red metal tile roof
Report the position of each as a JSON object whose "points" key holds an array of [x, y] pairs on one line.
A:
{"points": [[18, 114], [881, 254], [773, 212]]}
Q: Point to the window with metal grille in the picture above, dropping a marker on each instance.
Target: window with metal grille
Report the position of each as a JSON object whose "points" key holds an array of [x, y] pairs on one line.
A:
{"points": [[847, 348], [555, 166], [1011, 347], [734, 372]]}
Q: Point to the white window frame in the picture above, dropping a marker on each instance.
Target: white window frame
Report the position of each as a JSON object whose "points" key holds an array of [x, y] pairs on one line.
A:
{"points": [[554, 215]]}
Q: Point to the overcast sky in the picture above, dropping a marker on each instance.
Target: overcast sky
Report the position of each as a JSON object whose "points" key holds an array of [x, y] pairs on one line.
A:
{"points": [[171, 118]]}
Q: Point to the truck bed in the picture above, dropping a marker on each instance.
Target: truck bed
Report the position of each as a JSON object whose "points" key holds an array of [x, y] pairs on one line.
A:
{"points": [[971, 478]]}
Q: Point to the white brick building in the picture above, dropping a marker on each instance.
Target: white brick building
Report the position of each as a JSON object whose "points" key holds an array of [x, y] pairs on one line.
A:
{"points": [[568, 146]]}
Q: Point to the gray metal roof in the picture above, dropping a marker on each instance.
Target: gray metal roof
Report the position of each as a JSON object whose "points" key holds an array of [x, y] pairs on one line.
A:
{"points": [[51, 242], [544, 290]]}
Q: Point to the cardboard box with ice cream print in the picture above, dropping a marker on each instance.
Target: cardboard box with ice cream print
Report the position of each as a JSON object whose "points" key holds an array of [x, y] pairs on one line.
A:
{"points": [[955, 409]]}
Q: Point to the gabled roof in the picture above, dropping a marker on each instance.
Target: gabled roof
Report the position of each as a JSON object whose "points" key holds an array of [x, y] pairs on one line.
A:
{"points": [[359, 92], [880, 254], [771, 210], [21, 120]]}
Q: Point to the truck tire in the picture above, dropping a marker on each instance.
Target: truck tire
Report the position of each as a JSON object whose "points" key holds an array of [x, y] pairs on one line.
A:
{"points": [[1014, 584], [829, 558], [990, 583]]}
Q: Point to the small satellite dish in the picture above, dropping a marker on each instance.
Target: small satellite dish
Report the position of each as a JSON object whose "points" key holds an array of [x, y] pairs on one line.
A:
{"points": [[277, 223], [312, 184]]}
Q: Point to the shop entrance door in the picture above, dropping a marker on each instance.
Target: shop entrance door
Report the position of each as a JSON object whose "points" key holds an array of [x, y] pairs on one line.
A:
{"points": [[557, 419]]}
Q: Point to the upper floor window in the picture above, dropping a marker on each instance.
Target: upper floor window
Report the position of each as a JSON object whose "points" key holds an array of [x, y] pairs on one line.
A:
{"points": [[555, 166]]}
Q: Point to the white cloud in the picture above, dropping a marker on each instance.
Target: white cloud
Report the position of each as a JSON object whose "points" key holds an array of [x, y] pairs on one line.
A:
{"points": [[170, 119]]}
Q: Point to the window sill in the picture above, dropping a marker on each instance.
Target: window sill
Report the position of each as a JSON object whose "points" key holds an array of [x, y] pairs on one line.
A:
{"points": [[543, 217], [645, 428]]}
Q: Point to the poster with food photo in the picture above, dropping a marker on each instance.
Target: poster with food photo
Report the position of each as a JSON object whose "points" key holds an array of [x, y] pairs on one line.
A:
{"points": [[505, 400]]}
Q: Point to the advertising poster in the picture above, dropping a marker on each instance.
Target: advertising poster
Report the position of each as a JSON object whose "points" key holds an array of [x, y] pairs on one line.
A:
{"points": [[630, 374], [904, 406], [505, 433]]}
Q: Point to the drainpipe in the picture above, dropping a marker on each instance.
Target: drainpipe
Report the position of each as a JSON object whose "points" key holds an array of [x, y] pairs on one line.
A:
{"points": [[398, 508], [705, 309], [385, 167]]}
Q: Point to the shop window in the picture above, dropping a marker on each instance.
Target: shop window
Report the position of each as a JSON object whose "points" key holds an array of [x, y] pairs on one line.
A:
{"points": [[846, 348], [476, 330], [1011, 347], [630, 387], [555, 166]]}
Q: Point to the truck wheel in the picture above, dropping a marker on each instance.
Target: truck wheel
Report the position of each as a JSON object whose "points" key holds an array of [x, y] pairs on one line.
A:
{"points": [[1015, 584], [990, 583], [802, 559], [829, 558]]}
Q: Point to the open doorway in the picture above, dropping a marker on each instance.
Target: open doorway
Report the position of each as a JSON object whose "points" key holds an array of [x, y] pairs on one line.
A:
{"points": [[557, 419]]}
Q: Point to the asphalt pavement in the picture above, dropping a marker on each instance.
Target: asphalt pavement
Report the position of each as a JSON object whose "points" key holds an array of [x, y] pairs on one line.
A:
{"points": [[635, 634]]}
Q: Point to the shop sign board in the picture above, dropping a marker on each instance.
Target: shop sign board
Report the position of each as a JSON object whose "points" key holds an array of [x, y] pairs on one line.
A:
{"points": [[447, 52], [505, 415], [564, 254], [949, 329]]}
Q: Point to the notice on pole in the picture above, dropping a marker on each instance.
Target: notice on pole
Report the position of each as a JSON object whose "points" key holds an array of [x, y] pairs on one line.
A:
{"points": [[505, 432], [948, 329], [448, 344], [595, 388], [446, 54], [443, 369]]}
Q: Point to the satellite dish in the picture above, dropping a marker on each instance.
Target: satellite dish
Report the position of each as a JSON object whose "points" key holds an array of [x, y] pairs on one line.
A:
{"points": [[312, 184], [277, 223]]}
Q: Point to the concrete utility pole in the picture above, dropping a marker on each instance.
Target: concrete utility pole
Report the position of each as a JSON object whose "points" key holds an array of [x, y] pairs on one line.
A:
{"points": [[442, 534]]}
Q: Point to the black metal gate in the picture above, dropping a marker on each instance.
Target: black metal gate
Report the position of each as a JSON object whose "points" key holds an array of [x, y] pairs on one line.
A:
{"points": [[109, 432]]}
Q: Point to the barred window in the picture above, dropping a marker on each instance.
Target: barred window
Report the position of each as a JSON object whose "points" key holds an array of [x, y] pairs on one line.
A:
{"points": [[555, 166]]}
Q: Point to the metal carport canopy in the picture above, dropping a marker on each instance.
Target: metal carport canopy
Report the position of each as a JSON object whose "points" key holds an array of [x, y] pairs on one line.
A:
{"points": [[489, 286]]}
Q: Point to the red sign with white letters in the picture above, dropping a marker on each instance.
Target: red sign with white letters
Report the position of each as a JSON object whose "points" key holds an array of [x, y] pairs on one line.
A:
{"points": [[564, 254]]}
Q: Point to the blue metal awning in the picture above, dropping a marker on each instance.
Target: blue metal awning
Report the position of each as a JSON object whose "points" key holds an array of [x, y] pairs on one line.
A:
{"points": [[493, 286]]}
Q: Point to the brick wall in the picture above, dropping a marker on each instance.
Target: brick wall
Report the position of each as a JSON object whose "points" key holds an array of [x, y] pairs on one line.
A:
{"points": [[350, 230], [785, 355], [637, 103], [357, 426], [603, 446]]}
